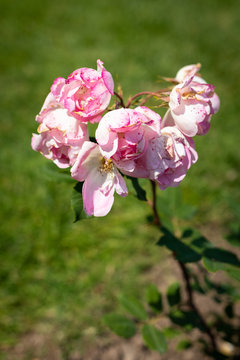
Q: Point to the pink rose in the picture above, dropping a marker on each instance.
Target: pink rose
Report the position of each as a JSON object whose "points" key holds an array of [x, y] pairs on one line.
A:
{"points": [[86, 92], [60, 135], [191, 105], [101, 179], [192, 102], [123, 136], [169, 156]]}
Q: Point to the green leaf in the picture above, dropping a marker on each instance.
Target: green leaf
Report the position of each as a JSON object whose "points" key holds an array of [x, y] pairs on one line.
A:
{"points": [[187, 233], [234, 273], [186, 319], [221, 256], [174, 294], [77, 203], [183, 252], [184, 344], [134, 307], [215, 259], [170, 332], [200, 244], [154, 338], [211, 266], [154, 298], [120, 325], [140, 192]]}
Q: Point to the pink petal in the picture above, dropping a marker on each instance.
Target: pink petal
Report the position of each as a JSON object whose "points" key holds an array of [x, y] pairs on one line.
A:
{"points": [[95, 202], [86, 161], [108, 140], [36, 142], [57, 86], [152, 116], [106, 76], [120, 185], [168, 119], [175, 97], [187, 71], [215, 103], [187, 117]]}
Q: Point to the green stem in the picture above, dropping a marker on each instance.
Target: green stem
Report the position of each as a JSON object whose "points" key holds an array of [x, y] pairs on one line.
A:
{"points": [[156, 219], [185, 275]]}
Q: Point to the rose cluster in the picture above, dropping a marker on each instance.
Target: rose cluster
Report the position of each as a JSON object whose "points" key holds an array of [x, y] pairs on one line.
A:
{"points": [[129, 141]]}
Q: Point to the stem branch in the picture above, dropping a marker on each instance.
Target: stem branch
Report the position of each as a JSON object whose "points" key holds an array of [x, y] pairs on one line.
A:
{"points": [[149, 93], [120, 98]]}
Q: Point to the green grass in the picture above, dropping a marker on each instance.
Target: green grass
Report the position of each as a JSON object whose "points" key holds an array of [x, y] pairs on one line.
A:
{"points": [[59, 277]]}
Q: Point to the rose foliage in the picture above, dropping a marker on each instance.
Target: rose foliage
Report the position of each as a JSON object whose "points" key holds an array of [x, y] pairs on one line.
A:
{"points": [[129, 141]]}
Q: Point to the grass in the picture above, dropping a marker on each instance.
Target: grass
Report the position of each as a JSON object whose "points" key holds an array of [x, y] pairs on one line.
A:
{"points": [[59, 277]]}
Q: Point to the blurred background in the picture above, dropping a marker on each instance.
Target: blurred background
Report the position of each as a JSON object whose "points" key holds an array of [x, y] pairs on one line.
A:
{"points": [[58, 277]]}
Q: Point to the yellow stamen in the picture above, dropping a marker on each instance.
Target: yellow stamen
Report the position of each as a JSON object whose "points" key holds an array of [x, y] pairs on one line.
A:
{"points": [[106, 165]]}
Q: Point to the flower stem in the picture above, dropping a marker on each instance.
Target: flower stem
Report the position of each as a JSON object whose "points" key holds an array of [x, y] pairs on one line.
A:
{"points": [[156, 219], [193, 306], [185, 275]]}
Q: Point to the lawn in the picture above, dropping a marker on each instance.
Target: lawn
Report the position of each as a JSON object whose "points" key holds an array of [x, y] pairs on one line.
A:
{"points": [[59, 277]]}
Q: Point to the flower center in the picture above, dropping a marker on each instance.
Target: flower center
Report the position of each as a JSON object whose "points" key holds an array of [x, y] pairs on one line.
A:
{"points": [[106, 165], [189, 95], [81, 92]]}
